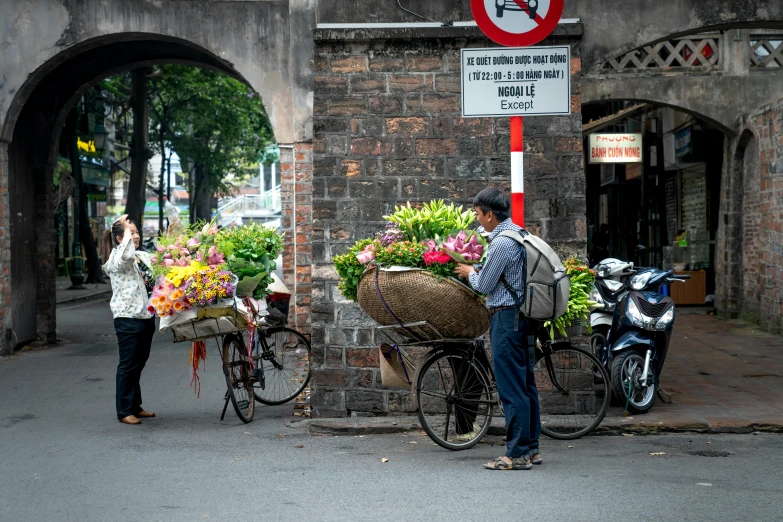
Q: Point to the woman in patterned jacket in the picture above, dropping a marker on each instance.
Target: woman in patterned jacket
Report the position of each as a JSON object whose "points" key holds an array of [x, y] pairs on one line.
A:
{"points": [[132, 282]]}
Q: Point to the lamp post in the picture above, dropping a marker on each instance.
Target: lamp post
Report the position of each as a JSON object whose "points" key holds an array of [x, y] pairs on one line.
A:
{"points": [[99, 134]]}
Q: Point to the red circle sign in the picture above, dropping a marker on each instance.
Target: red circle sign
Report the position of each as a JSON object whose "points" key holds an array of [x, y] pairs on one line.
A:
{"points": [[517, 23]]}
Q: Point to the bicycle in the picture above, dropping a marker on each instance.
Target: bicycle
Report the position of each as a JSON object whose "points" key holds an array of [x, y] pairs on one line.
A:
{"points": [[274, 371], [455, 390]]}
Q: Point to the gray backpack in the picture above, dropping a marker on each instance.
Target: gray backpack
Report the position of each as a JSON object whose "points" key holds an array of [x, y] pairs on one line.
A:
{"points": [[546, 284]]}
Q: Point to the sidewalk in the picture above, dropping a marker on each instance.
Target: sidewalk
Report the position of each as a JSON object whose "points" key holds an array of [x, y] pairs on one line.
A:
{"points": [[91, 291], [723, 377]]}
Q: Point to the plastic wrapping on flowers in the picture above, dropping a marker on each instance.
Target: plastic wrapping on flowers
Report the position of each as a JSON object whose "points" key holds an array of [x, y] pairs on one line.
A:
{"points": [[434, 237]]}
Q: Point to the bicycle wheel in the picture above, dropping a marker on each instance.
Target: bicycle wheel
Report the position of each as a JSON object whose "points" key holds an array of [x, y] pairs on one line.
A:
{"points": [[573, 391], [283, 356], [236, 367], [454, 399]]}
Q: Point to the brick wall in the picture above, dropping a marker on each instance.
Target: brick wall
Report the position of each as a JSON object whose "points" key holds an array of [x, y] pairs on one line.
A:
{"points": [[387, 129], [750, 239], [296, 189], [5, 249], [749, 233]]}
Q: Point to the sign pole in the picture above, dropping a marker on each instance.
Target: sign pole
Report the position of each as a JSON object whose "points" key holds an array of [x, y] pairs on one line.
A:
{"points": [[517, 171]]}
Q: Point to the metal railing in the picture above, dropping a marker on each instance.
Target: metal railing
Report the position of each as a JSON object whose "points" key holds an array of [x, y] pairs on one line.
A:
{"points": [[251, 205]]}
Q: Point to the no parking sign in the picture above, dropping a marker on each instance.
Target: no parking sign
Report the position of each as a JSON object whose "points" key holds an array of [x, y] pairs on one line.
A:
{"points": [[517, 23]]}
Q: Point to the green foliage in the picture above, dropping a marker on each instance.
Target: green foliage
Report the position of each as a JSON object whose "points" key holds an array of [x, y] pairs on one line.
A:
{"points": [[582, 279], [251, 251], [434, 220], [404, 253], [350, 269], [212, 119], [443, 270], [207, 116]]}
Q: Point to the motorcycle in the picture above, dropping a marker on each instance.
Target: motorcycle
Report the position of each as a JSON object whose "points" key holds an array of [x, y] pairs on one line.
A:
{"points": [[639, 338], [610, 286]]}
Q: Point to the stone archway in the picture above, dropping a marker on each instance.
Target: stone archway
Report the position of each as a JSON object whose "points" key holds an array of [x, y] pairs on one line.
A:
{"points": [[35, 128]]}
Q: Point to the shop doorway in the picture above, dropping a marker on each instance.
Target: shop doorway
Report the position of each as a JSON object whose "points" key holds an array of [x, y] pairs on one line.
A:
{"points": [[666, 200]]}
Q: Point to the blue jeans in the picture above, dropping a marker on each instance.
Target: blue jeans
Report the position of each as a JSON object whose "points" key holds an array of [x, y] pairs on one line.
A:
{"points": [[516, 384], [134, 338]]}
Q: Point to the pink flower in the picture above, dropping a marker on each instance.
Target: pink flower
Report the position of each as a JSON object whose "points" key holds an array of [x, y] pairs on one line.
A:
{"points": [[192, 243], [366, 255], [182, 262], [160, 248], [440, 258], [431, 246], [213, 230], [214, 257], [168, 262]]}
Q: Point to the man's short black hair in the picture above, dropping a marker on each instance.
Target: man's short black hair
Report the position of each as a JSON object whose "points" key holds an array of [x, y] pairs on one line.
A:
{"points": [[494, 200]]}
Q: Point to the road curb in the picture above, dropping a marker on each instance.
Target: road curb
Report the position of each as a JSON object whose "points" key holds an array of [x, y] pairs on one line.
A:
{"points": [[362, 426], [393, 425], [89, 297]]}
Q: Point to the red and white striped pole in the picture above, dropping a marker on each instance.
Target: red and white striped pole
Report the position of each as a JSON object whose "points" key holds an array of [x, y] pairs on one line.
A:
{"points": [[517, 172]]}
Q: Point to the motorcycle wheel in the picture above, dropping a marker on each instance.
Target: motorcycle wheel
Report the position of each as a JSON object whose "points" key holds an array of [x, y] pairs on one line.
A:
{"points": [[628, 367], [598, 341]]}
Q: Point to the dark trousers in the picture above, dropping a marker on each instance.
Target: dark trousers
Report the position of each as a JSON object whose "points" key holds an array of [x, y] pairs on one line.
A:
{"points": [[516, 384], [134, 338]]}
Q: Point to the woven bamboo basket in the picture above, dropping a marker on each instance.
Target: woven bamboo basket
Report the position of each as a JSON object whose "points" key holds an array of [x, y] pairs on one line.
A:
{"points": [[417, 295]]}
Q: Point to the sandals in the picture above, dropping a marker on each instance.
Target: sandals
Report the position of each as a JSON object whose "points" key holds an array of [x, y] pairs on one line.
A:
{"points": [[536, 459], [516, 464]]}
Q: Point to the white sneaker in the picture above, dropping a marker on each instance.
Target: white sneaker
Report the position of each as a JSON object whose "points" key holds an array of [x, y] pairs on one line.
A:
{"points": [[467, 437]]}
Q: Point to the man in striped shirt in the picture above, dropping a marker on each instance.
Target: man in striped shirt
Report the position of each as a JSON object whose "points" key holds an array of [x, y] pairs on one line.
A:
{"points": [[511, 359]]}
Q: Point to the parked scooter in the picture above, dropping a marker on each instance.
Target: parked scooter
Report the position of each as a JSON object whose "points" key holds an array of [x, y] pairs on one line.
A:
{"points": [[610, 286], [639, 338]]}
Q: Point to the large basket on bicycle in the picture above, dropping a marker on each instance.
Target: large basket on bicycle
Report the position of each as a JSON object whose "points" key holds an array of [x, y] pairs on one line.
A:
{"points": [[398, 295]]}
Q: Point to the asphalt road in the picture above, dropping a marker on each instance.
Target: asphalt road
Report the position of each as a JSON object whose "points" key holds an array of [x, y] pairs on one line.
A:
{"points": [[64, 456]]}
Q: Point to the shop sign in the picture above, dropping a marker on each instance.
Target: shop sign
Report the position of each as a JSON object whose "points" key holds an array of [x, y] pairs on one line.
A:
{"points": [[95, 175], [85, 146], [96, 196], [633, 171], [682, 143], [615, 148], [530, 81]]}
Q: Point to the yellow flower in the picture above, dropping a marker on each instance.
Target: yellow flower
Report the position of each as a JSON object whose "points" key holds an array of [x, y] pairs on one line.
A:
{"points": [[178, 274]]}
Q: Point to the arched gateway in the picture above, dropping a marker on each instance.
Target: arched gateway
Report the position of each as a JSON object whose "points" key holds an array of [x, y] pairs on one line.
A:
{"points": [[56, 50]]}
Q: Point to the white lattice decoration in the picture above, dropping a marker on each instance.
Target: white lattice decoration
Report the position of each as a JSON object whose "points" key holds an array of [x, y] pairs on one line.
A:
{"points": [[766, 51], [692, 51]]}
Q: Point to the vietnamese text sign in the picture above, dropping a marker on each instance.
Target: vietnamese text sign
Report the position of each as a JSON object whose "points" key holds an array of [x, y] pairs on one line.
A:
{"points": [[527, 81], [615, 148]]}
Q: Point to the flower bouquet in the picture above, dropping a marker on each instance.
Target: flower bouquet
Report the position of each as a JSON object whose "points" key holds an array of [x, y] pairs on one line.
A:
{"points": [[406, 273], [201, 270], [578, 308]]}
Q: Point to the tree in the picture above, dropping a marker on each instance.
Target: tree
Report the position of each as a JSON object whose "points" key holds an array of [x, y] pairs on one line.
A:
{"points": [[217, 122], [140, 153]]}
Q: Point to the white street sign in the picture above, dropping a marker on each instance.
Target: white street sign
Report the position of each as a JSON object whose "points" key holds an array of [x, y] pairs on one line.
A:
{"points": [[523, 81], [616, 148]]}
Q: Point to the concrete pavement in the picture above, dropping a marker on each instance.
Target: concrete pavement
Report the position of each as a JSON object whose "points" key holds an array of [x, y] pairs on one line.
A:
{"points": [[63, 456], [90, 291]]}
